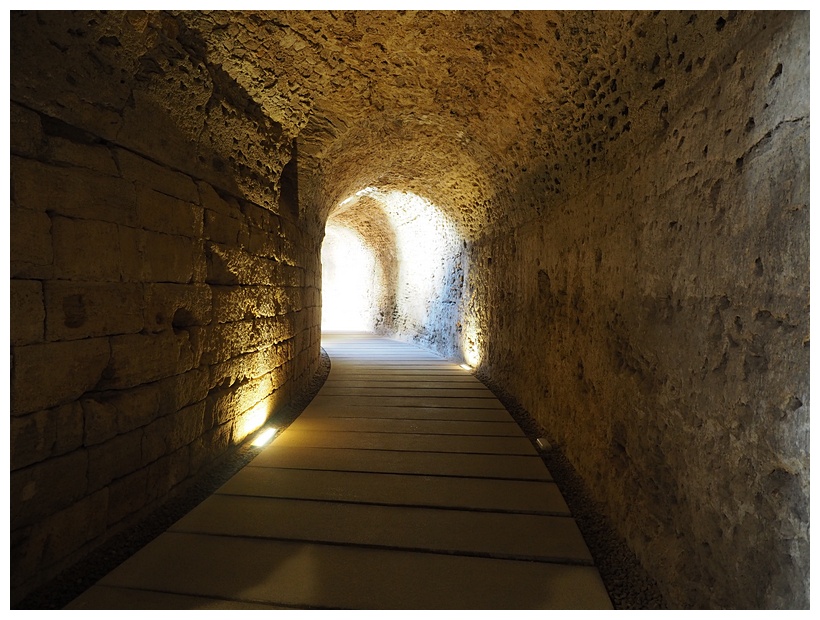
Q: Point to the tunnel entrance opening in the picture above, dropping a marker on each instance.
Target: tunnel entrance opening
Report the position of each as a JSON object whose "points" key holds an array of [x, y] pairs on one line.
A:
{"points": [[351, 281], [393, 264]]}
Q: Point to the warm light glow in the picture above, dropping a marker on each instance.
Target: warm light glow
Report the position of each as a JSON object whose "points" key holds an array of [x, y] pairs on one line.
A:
{"points": [[252, 419], [346, 201], [471, 341], [466, 367], [264, 437]]}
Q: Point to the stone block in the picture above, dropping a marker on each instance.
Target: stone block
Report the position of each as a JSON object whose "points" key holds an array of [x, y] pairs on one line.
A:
{"points": [[73, 192], [154, 441], [200, 261], [219, 342], [287, 275], [181, 390], [69, 428], [176, 306], [219, 268], [76, 240], [82, 310], [44, 488], [92, 156], [264, 244], [158, 121], [246, 366], [290, 253], [225, 404], [27, 315], [142, 358], [26, 131], [167, 258], [167, 214], [31, 245], [185, 425], [32, 438], [108, 414], [210, 199], [273, 330], [292, 299], [221, 228], [234, 303], [113, 459], [131, 242], [210, 445], [72, 368], [231, 266], [127, 496], [167, 472], [165, 180], [64, 532], [261, 218], [171, 432], [44, 434]]}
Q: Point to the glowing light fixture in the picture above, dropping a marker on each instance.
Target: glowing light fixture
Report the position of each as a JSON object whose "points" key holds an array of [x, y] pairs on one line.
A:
{"points": [[346, 201], [366, 191], [264, 437], [466, 367]]}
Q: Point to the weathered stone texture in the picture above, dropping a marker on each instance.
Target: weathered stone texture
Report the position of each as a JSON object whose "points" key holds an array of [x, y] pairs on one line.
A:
{"points": [[44, 375], [73, 192], [48, 486], [44, 434], [636, 276], [613, 225], [31, 246], [673, 305], [117, 187], [83, 310], [162, 213], [148, 174], [27, 313], [73, 238]]}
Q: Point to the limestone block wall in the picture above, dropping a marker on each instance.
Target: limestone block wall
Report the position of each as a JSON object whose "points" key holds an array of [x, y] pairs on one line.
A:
{"points": [[656, 319], [163, 303]]}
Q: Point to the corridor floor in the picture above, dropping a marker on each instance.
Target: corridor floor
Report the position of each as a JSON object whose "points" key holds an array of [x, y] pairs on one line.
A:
{"points": [[403, 485]]}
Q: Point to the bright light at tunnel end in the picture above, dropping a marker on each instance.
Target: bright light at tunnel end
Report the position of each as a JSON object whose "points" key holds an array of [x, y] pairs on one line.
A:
{"points": [[264, 436]]}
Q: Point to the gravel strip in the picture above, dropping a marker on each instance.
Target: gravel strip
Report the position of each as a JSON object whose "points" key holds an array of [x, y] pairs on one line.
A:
{"points": [[98, 563], [628, 583]]}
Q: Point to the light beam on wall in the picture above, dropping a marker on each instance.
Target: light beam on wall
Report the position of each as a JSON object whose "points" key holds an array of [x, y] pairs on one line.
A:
{"points": [[252, 419], [471, 340]]}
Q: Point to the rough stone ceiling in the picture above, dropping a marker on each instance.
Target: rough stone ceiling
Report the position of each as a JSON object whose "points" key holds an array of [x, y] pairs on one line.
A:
{"points": [[450, 105]]}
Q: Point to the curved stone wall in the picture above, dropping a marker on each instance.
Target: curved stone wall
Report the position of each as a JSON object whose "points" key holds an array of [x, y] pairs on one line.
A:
{"points": [[622, 233], [163, 302]]}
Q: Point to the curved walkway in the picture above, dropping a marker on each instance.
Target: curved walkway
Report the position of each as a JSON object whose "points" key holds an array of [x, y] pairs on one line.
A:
{"points": [[404, 485]]}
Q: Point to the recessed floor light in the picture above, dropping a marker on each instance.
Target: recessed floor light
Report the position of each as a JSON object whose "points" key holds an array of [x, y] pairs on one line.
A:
{"points": [[264, 437]]}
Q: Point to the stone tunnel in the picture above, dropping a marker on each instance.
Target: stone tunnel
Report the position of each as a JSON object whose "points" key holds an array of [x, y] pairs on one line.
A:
{"points": [[606, 214]]}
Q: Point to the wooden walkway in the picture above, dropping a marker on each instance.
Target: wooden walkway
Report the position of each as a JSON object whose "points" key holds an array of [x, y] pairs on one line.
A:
{"points": [[404, 485]]}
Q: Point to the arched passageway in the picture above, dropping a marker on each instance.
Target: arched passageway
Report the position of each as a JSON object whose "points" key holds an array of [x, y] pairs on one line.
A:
{"points": [[621, 207], [417, 272], [352, 279]]}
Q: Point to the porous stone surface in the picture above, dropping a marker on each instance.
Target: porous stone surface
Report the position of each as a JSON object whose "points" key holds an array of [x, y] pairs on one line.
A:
{"points": [[158, 314], [611, 210]]}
